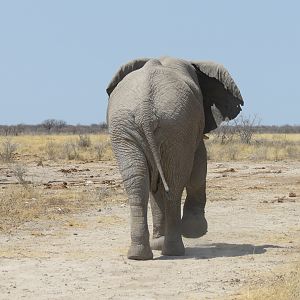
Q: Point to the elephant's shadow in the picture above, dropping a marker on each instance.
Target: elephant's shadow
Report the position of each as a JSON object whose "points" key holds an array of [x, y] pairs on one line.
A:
{"points": [[215, 250]]}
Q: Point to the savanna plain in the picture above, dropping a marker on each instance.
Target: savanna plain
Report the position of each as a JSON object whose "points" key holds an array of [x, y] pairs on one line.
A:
{"points": [[64, 223]]}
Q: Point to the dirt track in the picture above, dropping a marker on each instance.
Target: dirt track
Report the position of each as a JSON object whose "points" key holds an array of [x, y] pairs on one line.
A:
{"points": [[253, 234]]}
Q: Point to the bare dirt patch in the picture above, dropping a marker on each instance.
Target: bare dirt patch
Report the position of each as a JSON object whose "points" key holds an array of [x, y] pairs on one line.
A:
{"points": [[81, 253]]}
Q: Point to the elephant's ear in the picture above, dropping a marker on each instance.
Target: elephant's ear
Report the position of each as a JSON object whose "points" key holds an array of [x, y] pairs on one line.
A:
{"points": [[125, 70], [219, 89]]}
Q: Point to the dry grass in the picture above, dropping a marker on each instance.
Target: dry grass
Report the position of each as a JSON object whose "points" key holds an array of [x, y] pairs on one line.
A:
{"points": [[21, 203], [282, 287], [271, 147], [61, 147], [26, 201]]}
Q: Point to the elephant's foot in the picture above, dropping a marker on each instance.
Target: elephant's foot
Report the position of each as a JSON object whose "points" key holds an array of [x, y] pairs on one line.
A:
{"points": [[157, 243], [140, 252], [173, 248], [194, 225]]}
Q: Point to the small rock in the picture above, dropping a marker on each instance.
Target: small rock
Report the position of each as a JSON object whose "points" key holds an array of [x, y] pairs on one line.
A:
{"points": [[292, 194], [40, 163], [265, 201]]}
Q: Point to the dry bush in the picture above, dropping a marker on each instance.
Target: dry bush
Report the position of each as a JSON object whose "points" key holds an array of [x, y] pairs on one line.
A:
{"points": [[19, 171], [100, 149], [84, 141], [245, 128], [70, 150], [52, 150], [7, 150], [225, 133]]}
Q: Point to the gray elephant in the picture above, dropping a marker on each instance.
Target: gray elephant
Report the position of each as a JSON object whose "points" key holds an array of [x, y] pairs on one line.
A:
{"points": [[158, 113]]}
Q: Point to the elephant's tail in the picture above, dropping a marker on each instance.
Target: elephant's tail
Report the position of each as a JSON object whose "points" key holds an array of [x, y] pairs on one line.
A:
{"points": [[147, 125], [147, 128]]}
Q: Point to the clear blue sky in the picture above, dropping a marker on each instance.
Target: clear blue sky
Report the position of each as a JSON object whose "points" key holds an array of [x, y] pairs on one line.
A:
{"points": [[57, 56]]}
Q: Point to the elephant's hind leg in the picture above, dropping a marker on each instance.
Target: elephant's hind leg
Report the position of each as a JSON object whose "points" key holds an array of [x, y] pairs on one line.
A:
{"points": [[173, 244], [166, 221], [134, 170], [158, 216]]}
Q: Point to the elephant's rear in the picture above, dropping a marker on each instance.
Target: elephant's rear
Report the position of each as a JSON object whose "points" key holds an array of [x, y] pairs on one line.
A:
{"points": [[156, 110]]}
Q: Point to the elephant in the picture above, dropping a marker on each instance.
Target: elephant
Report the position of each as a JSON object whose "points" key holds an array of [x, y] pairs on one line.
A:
{"points": [[158, 113]]}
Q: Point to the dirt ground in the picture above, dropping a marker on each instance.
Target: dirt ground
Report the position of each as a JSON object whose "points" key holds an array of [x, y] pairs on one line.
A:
{"points": [[253, 214]]}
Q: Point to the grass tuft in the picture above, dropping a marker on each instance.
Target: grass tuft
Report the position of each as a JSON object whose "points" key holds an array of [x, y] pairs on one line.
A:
{"points": [[283, 287]]}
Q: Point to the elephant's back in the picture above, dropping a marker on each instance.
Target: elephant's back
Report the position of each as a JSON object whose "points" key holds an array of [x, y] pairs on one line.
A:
{"points": [[171, 95], [176, 98], [125, 98]]}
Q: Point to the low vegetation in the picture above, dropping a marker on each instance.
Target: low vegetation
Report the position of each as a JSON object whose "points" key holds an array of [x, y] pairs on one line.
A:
{"points": [[55, 148], [7, 150], [285, 286], [220, 146], [27, 202], [263, 147]]}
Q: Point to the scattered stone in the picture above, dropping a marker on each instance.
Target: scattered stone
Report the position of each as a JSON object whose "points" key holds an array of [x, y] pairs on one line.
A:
{"points": [[68, 170], [56, 185], [292, 194], [278, 199], [109, 181], [227, 170], [88, 182], [40, 163]]}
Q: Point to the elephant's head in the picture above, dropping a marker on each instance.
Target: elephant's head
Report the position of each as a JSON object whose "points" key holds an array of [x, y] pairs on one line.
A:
{"points": [[219, 91]]}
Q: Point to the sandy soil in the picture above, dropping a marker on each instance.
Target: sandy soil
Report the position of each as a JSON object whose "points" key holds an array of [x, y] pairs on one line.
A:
{"points": [[253, 235]]}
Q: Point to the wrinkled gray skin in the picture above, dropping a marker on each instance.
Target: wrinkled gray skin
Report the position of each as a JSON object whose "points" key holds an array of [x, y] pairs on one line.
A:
{"points": [[158, 111]]}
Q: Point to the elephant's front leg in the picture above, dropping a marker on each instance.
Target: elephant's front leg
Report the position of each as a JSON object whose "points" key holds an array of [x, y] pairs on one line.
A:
{"points": [[194, 224]]}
